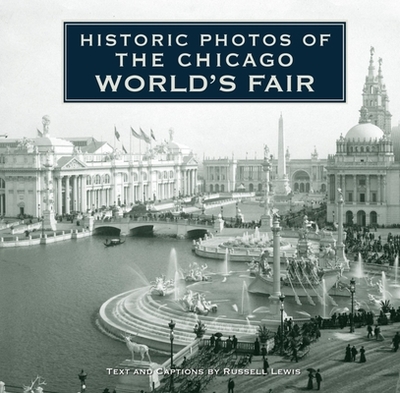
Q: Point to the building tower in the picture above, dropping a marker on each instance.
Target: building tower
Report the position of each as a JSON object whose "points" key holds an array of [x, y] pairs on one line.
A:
{"points": [[375, 97]]}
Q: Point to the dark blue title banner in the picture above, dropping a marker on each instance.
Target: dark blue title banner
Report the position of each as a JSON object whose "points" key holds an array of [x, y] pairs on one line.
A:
{"points": [[204, 62]]}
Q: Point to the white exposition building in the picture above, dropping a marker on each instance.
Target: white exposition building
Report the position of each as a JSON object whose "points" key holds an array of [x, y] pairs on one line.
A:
{"points": [[75, 174], [366, 166]]}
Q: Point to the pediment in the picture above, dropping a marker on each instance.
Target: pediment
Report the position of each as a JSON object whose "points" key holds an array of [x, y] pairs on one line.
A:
{"points": [[73, 163]]}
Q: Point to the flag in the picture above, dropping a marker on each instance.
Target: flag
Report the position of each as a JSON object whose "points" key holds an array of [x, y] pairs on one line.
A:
{"points": [[152, 134], [40, 133], [124, 150], [135, 134], [116, 133], [145, 137]]}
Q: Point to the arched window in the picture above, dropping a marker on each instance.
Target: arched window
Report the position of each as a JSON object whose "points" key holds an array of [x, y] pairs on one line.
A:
{"points": [[260, 187], [222, 188], [144, 176], [307, 187], [171, 174], [125, 177], [2, 183], [251, 187], [135, 176], [88, 180], [373, 218], [97, 179], [107, 179], [211, 188], [165, 175], [217, 188]]}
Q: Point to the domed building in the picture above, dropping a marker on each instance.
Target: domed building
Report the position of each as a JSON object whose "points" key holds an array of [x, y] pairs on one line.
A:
{"points": [[365, 168]]}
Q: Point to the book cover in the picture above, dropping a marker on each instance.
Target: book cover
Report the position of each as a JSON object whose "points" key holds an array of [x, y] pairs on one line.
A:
{"points": [[334, 93]]}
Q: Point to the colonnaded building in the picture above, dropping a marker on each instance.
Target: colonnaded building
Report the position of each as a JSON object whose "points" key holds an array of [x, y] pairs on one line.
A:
{"points": [[366, 166], [365, 171], [76, 174]]}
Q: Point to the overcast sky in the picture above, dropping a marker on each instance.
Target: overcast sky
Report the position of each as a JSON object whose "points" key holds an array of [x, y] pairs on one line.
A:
{"points": [[31, 75]]}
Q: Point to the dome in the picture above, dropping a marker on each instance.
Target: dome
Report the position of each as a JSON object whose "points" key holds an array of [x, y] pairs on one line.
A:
{"points": [[62, 146], [396, 142], [365, 131]]}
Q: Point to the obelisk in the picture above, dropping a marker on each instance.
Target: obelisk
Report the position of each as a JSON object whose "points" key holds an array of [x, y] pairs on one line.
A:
{"points": [[282, 188]]}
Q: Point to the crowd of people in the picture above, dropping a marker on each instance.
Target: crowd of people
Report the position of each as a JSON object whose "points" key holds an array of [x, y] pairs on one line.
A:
{"points": [[373, 249]]}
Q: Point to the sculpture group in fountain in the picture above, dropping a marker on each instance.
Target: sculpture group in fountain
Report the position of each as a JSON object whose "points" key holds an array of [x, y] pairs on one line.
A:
{"points": [[162, 286], [196, 273], [305, 271], [197, 303], [327, 257]]}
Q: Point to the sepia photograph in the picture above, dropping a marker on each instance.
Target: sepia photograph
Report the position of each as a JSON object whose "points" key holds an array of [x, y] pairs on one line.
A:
{"points": [[199, 196]]}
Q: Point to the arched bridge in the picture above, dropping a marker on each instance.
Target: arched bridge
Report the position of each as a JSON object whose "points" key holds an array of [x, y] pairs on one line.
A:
{"points": [[179, 226]]}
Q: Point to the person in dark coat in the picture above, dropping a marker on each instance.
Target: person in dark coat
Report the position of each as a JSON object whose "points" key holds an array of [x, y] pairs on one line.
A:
{"points": [[228, 344], [234, 341], [354, 353], [263, 351], [256, 347], [310, 384], [362, 355], [318, 378], [212, 340], [265, 365], [377, 331], [396, 341], [369, 330], [347, 357], [231, 385]]}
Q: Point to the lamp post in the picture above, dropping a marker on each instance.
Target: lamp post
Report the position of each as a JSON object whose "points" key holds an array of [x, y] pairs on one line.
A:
{"points": [[352, 291], [38, 206], [222, 212], [282, 299], [333, 217], [82, 377], [42, 226], [171, 326]]}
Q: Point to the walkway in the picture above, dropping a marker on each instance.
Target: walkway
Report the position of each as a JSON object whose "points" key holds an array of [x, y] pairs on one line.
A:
{"points": [[379, 374]]}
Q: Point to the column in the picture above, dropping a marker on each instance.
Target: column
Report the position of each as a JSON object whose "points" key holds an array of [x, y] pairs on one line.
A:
{"points": [[384, 189], [379, 196], [368, 191], [341, 257], [194, 182], [59, 195], [344, 188], [276, 257], [83, 192], [67, 196], [74, 193]]}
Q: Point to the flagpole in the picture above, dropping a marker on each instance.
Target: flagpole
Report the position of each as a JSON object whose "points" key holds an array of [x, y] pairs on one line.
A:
{"points": [[130, 144]]}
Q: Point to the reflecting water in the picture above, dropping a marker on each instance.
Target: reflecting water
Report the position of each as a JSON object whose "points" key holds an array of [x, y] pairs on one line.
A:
{"points": [[49, 296]]}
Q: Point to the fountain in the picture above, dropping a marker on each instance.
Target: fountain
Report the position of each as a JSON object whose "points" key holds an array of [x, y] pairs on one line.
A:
{"points": [[226, 269], [359, 272], [384, 287], [245, 299], [303, 277]]}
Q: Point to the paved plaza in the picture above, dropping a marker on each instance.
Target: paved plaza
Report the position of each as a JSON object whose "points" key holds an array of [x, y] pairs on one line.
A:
{"points": [[380, 373]]}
